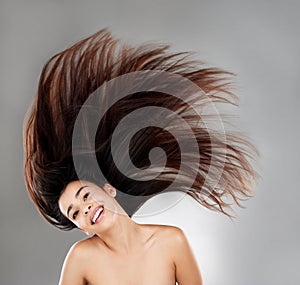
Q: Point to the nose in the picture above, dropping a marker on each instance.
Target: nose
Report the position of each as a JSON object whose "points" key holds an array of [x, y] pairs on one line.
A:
{"points": [[87, 209]]}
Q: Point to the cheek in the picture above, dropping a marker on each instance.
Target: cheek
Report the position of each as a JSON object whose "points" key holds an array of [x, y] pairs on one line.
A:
{"points": [[81, 223], [98, 197]]}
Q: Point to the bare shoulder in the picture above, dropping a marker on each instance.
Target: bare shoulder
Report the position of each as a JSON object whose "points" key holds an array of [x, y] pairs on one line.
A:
{"points": [[179, 251], [76, 262], [80, 251], [168, 231], [72, 271], [79, 247], [171, 234]]}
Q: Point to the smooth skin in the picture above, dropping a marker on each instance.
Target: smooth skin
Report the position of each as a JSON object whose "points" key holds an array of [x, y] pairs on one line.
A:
{"points": [[120, 250]]}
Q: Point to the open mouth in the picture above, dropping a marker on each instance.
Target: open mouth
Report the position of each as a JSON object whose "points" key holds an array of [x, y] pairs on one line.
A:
{"points": [[97, 214]]}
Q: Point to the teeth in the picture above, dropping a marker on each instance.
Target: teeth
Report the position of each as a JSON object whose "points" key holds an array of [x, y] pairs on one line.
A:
{"points": [[97, 214]]}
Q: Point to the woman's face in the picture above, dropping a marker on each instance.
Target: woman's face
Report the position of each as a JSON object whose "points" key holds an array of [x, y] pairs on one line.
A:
{"points": [[91, 208]]}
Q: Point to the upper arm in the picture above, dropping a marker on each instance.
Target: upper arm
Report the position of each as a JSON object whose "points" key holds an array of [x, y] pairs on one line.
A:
{"points": [[72, 273], [186, 268]]}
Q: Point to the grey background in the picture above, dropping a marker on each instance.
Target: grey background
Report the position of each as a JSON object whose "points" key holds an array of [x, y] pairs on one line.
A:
{"points": [[258, 40]]}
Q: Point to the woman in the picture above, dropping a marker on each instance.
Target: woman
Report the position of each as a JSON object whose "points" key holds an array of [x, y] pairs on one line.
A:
{"points": [[121, 251], [102, 114]]}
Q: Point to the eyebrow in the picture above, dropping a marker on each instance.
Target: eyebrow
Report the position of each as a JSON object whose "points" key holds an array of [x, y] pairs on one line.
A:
{"points": [[76, 196]]}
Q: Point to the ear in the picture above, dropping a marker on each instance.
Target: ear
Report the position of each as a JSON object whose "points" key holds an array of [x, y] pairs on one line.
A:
{"points": [[111, 191]]}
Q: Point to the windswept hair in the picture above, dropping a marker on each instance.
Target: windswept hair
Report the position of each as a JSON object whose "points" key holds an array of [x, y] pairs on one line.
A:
{"points": [[71, 76]]}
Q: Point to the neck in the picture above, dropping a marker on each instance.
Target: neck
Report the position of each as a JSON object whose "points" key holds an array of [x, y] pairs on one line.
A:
{"points": [[123, 236]]}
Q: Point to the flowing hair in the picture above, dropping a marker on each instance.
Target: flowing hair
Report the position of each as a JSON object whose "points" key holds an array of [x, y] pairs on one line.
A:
{"points": [[66, 83]]}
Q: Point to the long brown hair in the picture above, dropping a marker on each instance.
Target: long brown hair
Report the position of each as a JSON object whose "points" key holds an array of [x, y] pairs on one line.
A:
{"points": [[71, 76]]}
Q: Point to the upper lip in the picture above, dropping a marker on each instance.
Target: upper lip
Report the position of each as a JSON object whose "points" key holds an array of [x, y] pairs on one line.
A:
{"points": [[94, 212]]}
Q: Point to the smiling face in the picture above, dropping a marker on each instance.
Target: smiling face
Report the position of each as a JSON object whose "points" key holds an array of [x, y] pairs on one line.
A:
{"points": [[91, 208]]}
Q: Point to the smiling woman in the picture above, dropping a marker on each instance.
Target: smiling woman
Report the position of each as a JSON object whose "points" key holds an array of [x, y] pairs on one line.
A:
{"points": [[87, 206], [95, 176], [120, 245]]}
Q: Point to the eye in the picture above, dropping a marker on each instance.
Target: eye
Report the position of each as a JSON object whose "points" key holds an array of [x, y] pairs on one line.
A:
{"points": [[75, 215], [86, 195]]}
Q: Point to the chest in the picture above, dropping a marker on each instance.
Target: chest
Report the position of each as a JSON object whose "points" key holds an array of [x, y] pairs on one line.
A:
{"points": [[152, 267]]}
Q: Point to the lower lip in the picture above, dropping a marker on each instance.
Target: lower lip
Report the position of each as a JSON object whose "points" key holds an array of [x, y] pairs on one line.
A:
{"points": [[100, 217]]}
